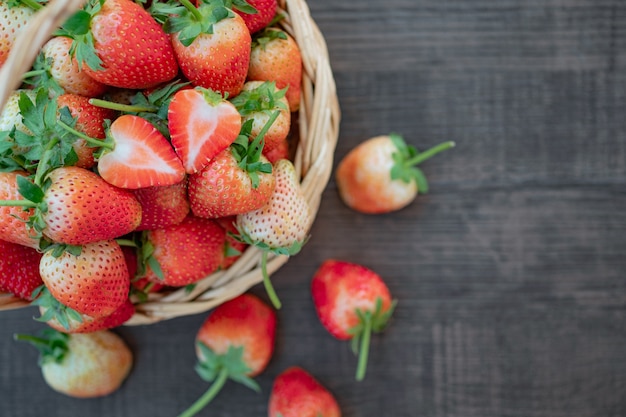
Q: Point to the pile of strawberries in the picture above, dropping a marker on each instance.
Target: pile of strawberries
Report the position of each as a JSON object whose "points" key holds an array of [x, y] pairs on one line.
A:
{"points": [[147, 148]]}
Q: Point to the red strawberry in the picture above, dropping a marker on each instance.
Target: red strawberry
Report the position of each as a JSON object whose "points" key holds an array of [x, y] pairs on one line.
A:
{"points": [[81, 208], [212, 45], [185, 253], [237, 180], [261, 14], [276, 57], [13, 217], [282, 224], [351, 301], [56, 69], [202, 124], [14, 18], [257, 102], [123, 46], [140, 286], [296, 393], [89, 120], [19, 270], [162, 206], [140, 156], [379, 175], [93, 281], [82, 365], [281, 151], [235, 341]]}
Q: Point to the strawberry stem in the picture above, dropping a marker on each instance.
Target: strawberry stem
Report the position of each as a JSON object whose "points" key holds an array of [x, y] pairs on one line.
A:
{"points": [[267, 283], [91, 141], [364, 348], [127, 108], [192, 9], [33, 73], [213, 390], [18, 203], [32, 4], [422, 156]]}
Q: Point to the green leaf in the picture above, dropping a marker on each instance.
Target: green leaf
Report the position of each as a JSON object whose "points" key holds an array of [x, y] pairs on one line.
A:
{"points": [[79, 23], [28, 190]]}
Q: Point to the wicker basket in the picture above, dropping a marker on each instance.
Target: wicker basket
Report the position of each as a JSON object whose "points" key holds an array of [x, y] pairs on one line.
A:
{"points": [[318, 122]]}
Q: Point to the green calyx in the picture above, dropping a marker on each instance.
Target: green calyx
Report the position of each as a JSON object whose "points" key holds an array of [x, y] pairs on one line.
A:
{"points": [[248, 152], [266, 36], [264, 98], [189, 21], [407, 157], [369, 321], [33, 4], [78, 28], [54, 309], [41, 76], [52, 345], [218, 369]]}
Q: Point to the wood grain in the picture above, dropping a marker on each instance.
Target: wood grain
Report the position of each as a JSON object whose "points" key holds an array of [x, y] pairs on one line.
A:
{"points": [[509, 274]]}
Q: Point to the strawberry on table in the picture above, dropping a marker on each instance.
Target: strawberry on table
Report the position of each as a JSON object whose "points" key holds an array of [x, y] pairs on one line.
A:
{"points": [[380, 174], [281, 225], [276, 57], [184, 253], [118, 43], [351, 301], [235, 341], [19, 270], [211, 42], [91, 279], [202, 124], [82, 365], [296, 393]]}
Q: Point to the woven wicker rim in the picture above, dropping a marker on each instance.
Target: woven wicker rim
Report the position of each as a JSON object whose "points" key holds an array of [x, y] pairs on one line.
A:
{"points": [[319, 117]]}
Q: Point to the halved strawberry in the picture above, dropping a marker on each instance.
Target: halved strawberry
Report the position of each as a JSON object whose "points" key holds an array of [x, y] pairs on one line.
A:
{"points": [[140, 156], [202, 124]]}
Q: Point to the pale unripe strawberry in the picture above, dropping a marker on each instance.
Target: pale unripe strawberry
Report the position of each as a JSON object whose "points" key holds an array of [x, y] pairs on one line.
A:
{"points": [[286, 218], [13, 19], [11, 116], [282, 225], [85, 365]]}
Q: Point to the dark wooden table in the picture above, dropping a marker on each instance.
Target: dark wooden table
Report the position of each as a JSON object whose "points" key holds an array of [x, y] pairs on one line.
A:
{"points": [[510, 273]]}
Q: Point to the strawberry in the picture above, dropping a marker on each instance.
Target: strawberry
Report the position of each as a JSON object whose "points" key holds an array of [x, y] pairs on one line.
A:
{"points": [[296, 393], [90, 120], [212, 45], [11, 115], [58, 71], [14, 18], [92, 280], [81, 208], [235, 341], [67, 320], [237, 180], [19, 270], [281, 151], [162, 206], [276, 56], [184, 253], [351, 301], [202, 124], [380, 174], [82, 365], [138, 155], [257, 102], [13, 217], [257, 14], [118, 43], [282, 224]]}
